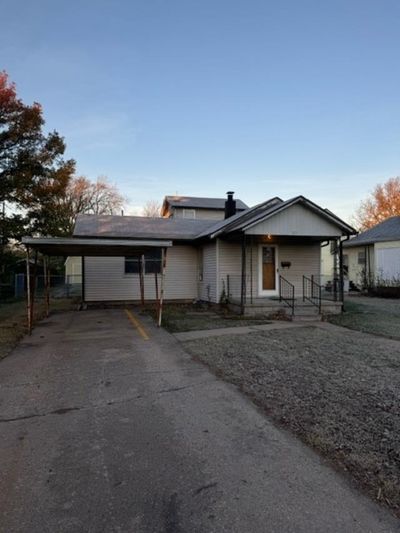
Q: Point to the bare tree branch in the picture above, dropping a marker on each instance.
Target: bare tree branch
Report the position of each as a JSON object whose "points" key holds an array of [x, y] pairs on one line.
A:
{"points": [[152, 209]]}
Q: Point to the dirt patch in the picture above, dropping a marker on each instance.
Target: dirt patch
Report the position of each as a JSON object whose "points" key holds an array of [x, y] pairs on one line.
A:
{"points": [[179, 318], [379, 316], [338, 391], [14, 323]]}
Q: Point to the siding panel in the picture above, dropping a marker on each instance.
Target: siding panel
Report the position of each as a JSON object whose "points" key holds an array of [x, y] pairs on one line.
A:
{"points": [[208, 287], [305, 260], [105, 279], [296, 220]]}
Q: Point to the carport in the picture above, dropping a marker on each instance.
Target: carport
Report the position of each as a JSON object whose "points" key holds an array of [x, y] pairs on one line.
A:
{"points": [[89, 247]]}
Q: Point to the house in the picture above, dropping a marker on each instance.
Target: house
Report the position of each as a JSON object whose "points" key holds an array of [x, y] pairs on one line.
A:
{"points": [[264, 257], [198, 208], [374, 255]]}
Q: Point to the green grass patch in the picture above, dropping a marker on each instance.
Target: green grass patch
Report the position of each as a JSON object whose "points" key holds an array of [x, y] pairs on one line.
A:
{"points": [[179, 318], [370, 316]]}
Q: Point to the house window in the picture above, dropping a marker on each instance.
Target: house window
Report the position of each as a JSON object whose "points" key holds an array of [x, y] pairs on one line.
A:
{"points": [[361, 257], [152, 263], [189, 213], [132, 265]]}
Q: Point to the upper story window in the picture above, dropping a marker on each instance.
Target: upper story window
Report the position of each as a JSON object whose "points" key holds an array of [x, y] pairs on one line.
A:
{"points": [[188, 213]]}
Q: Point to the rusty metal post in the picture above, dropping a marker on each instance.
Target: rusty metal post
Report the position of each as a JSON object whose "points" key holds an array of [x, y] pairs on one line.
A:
{"points": [[141, 277], [46, 285], [33, 287], [28, 289], [156, 288]]}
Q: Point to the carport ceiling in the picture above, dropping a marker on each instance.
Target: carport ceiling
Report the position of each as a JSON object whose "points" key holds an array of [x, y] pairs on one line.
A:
{"points": [[54, 246]]}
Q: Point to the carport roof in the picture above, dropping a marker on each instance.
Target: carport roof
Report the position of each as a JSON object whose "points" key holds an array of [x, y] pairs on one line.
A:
{"points": [[73, 246]]}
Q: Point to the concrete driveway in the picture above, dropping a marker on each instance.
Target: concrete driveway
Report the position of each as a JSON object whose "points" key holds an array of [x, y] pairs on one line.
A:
{"points": [[104, 430]]}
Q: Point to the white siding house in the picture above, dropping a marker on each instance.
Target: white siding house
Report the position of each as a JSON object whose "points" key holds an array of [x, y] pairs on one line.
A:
{"points": [[374, 255], [269, 253]]}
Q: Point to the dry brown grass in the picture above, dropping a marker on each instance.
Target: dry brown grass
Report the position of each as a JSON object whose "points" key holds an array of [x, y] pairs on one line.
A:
{"points": [[14, 322]]}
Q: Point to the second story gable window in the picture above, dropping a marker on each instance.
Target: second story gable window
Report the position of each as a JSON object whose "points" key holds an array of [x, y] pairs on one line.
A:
{"points": [[189, 213]]}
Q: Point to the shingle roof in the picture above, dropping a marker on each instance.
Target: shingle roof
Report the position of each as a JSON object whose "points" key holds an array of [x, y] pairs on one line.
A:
{"points": [[388, 230], [139, 227], [191, 229], [201, 203]]}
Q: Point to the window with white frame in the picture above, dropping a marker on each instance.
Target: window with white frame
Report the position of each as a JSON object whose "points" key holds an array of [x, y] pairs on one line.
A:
{"points": [[189, 213]]}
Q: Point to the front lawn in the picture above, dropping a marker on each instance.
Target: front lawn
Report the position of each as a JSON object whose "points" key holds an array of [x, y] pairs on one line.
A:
{"points": [[179, 318], [380, 316], [339, 391]]}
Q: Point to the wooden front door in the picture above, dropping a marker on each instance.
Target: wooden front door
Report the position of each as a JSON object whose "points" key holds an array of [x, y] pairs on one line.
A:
{"points": [[268, 268]]}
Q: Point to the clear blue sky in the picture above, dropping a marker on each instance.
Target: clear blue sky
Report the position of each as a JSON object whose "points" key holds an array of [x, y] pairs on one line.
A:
{"points": [[202, 96]]}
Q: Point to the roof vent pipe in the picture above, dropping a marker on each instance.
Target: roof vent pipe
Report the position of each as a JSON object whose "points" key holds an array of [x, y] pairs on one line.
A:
{"points": [[230, 205]]}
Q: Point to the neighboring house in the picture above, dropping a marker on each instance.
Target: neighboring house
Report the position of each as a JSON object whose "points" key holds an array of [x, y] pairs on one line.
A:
{"points": [[198, 208], [251, 258], [73, 270], [374, 255]]}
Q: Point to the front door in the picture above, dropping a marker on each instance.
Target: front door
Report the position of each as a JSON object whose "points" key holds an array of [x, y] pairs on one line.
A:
{"points": [[268, 274]]}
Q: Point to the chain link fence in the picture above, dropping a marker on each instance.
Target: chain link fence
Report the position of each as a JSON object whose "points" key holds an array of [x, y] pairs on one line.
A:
{"points": [[60, 286]]}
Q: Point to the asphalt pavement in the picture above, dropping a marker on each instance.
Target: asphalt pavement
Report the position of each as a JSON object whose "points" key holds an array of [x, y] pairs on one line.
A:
{"points": [[107, 425]]}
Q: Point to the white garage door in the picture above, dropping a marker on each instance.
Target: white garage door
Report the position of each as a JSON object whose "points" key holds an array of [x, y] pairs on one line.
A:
{"points": [[388, 263]]}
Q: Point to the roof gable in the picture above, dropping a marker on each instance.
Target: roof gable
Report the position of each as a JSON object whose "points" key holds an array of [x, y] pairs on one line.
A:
{"points": [[295, 220], [243, 221]]}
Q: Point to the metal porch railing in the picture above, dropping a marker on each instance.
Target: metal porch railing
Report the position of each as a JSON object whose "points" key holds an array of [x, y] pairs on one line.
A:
{"points": [[312, 292], [286, 293]]}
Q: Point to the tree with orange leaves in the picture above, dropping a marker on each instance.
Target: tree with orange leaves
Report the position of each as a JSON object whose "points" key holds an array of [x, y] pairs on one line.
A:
{"points": [[383, 202]]}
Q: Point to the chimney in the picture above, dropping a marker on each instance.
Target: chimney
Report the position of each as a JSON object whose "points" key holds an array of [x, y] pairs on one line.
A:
{"points": [[230, 205]]}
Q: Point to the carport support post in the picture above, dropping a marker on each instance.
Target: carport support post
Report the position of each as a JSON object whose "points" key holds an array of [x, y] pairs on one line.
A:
{"points": [[156, 287], [33, 287], [28, 289], [46, 285], [142, 267], [163, 264]]}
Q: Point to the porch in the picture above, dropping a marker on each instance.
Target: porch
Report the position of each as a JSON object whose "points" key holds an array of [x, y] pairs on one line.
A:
{"points": [[293, 309], [280, 275]]}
